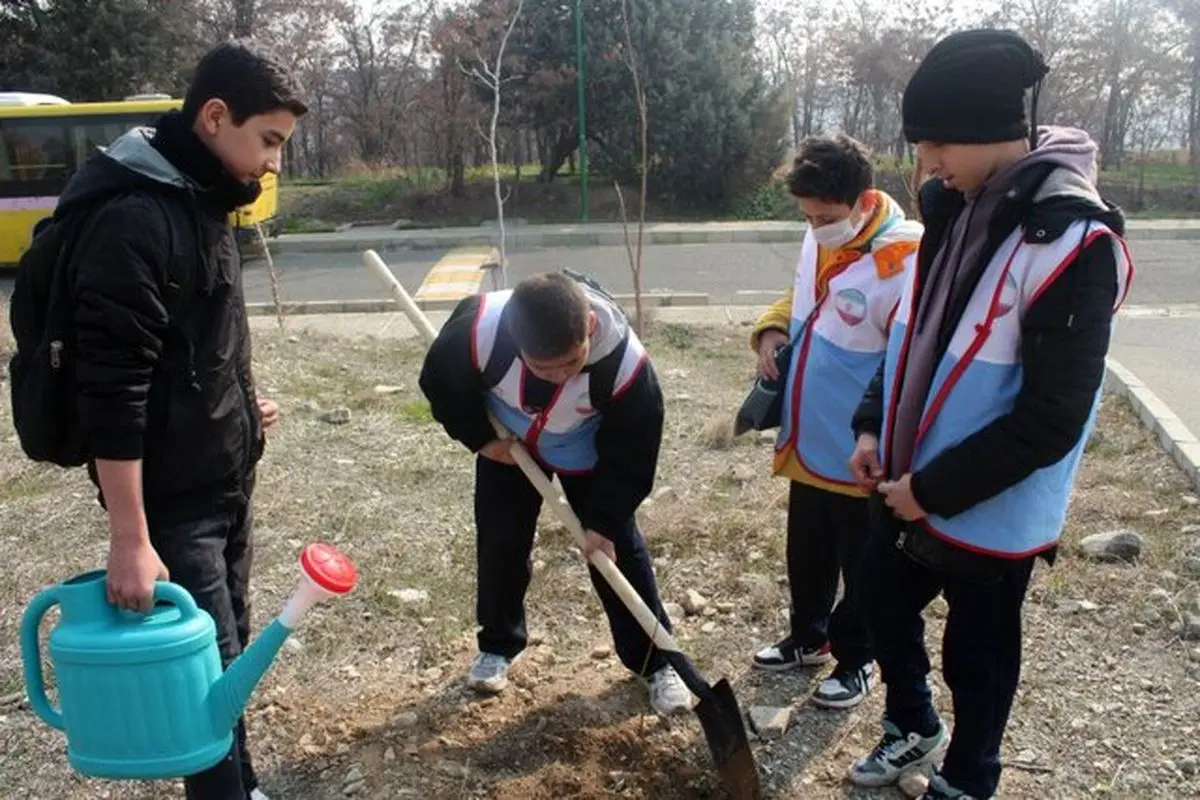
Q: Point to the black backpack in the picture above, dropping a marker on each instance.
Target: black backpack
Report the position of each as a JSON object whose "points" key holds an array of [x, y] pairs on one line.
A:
{"points": [[41, 314], [603, 374]]}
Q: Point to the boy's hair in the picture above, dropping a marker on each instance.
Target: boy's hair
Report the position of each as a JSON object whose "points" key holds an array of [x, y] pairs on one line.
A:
{"points": [[249, 77], [833, 169], [548, 315]]}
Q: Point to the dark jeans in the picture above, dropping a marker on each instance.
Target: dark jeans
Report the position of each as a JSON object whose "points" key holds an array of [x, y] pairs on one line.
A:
{"points": [[827, 533], [210, 557], [981, 655], [506, 513]]}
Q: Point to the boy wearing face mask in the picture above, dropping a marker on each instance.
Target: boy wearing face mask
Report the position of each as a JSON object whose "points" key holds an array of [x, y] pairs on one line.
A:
{"points": [[858, 246]]}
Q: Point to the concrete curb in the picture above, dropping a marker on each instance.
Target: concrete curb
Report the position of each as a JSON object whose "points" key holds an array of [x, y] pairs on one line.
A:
{"points": [[529, 238], [611, 235], [1175, 437], [373, 306]]}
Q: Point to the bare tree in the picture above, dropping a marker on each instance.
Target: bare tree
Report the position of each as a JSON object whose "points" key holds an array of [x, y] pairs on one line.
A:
{"points": [[1188, 14], [629, 56], [491, 75], [382, 70]]}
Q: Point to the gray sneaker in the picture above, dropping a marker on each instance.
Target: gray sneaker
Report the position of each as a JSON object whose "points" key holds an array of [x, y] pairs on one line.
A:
{"points": [[898, 753], [668, 693], [489, 673]]}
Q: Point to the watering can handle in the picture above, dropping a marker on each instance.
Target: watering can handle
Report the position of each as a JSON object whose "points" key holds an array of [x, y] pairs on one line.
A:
{"points": [[31, 654], [177, 596]]}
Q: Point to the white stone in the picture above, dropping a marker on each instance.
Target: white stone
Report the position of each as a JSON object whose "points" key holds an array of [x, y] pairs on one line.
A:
{"points": [[694, 602], [1113, 546], [770, 722]]}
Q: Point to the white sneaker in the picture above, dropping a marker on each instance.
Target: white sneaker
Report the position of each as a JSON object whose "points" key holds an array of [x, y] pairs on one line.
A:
{"points": [[668, 693], [257, 794], [489, 673]]}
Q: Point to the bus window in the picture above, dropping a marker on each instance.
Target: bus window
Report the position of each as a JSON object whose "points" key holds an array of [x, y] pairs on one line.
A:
{"points": [[88, 134], [36, 149], [5, 157]]}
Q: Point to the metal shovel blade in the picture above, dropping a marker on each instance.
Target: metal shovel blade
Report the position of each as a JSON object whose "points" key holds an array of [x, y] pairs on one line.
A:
{"points": [[721, 719]]}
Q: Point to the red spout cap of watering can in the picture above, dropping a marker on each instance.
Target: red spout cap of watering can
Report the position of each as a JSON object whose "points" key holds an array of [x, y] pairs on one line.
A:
{"points": [[329, 568]]}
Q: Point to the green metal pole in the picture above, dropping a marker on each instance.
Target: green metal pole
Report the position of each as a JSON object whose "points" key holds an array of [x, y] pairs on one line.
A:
{"points": [[579, 82]]}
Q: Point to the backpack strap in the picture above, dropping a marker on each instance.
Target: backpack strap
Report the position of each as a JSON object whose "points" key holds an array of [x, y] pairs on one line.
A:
{"points": [[177, 289], [594, 285], [602, 376], [504, 353], [77, 226]]}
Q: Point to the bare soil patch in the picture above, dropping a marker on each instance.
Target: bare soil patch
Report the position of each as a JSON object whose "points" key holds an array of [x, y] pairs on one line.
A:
{"points": [[369, 701]]}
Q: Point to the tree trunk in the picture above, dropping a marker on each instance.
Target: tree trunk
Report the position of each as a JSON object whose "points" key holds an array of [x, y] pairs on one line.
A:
{"points": [[1194, 102], [1112, 147], [243, 18], [557, 153]]}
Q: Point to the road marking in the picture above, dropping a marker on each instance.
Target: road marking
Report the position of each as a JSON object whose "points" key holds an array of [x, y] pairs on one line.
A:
{"points": [[1173, 311], [456, 275]]}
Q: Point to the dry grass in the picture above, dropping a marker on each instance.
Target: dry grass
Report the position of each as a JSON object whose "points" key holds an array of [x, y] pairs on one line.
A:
{"points": [[6, 337], [374, 685]]}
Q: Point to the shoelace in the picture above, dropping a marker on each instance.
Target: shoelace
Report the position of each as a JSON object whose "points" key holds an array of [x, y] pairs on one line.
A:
{"points": [[491, 662], [887, 745]]}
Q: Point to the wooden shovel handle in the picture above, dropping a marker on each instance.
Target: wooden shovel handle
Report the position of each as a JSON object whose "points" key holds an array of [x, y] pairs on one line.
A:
{"points": [[603, 564], [552, 495], [406, 303]]}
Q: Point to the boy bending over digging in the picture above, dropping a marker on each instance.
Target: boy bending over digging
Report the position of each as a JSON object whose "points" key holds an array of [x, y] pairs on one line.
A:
{"points": [[556, 362]]}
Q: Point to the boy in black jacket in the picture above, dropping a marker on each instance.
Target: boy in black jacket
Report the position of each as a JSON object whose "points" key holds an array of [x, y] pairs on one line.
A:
{"points": [[558, 365], [972, 431], [166, 396]]}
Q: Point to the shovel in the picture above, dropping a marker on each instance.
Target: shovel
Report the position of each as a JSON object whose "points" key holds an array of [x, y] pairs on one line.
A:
{"points": [[717, 707]]}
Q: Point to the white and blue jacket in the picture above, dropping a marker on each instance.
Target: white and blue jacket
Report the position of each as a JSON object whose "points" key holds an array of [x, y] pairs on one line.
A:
{"points": [[603, 425], [977, 381]]}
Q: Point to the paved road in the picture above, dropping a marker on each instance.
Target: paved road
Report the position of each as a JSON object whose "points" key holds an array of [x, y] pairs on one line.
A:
{"points": [[721, 270], [1163, 352], [1168, 272]]}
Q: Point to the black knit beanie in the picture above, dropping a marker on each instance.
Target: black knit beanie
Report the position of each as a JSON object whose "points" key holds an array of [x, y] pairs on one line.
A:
{"points": [[970, 89]]}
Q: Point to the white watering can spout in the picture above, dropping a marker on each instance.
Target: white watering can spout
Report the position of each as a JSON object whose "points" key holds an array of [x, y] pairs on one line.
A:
{"points": [[324, 574]]}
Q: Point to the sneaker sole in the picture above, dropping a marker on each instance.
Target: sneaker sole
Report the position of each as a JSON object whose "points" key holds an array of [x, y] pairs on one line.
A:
{"points": [[484, 687], [930, 759], [790, 665], [850, 702], [838, 705]]}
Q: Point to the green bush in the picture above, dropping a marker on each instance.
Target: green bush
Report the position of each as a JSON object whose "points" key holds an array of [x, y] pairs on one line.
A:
{"points": [[769, 202]]}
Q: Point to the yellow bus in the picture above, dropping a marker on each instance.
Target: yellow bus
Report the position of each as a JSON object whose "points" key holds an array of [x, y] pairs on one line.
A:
{"points": [[44, 139]]}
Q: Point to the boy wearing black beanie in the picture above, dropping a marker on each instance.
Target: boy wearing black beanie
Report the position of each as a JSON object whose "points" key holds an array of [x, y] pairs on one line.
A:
{"points": [[975, 424]]}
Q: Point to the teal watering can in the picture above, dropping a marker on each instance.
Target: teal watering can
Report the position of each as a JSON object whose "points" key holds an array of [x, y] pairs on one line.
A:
{"points": [[143, 696]]}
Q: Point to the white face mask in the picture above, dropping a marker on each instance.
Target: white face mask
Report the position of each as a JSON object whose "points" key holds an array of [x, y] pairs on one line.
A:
{"points": [[838, 233]]}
